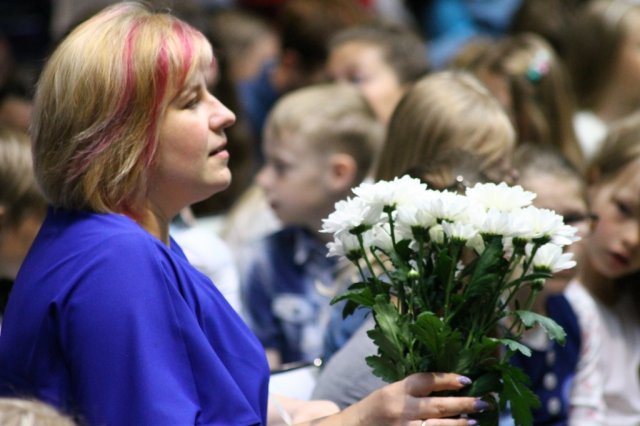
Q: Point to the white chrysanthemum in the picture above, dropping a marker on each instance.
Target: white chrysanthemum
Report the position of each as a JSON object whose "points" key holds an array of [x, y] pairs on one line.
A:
{"points": [[436, 234], [497, 222], [448, 206], [565, 235], [550, 257], [415, 214], [459, 231], [343, 244], [380, 236], [538, 223], [501, 196], [349, 214], [476, 243], [390, 193]]}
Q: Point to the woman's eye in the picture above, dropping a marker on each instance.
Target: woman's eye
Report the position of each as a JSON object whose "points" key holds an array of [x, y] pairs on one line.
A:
{"points": [[192, 102]]}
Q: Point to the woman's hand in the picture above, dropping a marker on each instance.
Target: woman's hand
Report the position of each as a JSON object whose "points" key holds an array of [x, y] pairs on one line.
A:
{"points": [[407, 402]]}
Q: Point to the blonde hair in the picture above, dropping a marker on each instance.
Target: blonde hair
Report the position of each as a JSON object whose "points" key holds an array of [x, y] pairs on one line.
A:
{"points": [[99, 102], [444, 115], [19, 193], [25, 412], [329, 118]]}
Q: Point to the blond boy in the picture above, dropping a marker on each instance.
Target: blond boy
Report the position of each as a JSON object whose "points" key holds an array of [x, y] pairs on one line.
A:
{"points": [[319, 142]]}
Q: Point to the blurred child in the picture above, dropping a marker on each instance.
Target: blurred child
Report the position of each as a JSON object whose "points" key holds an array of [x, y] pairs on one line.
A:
{"points": [[565, 377], [382, 60], [610, 267], [22, 207], [444, 113], [604, 67], [530, 80], [447, 129], [319, 143], [304, 28]]}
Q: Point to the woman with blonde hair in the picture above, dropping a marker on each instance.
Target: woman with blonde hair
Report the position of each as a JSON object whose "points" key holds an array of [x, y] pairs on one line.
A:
{"points": [[107, 320]]}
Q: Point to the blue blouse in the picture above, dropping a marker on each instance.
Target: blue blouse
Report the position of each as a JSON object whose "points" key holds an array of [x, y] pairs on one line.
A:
{"points": [[109, 324]]}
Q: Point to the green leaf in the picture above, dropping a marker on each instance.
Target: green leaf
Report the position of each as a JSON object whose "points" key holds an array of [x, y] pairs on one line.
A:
{"points": [[516, 391], [349, 308], [388, 345], [440, 344], [485, 271], [516, 346], [480, 355], [553, 330], [390, 333], [386, 369], [485, 384], [360, 295]]}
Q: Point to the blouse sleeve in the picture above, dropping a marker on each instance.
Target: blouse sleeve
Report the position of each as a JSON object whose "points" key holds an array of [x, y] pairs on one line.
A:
{"points": [[122, 335]]}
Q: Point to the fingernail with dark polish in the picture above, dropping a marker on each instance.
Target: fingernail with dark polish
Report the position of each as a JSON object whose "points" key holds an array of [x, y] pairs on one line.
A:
{"points": [[472, 422], [464, 380], [480, 405]]}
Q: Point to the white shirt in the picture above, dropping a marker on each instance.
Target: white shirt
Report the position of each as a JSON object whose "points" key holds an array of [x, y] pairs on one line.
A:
{"points": [[587, 403]]}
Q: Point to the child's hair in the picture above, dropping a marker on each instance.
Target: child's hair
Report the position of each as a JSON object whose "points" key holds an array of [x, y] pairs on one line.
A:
{"points": [[403, 50], [547, 18], [442, 117], [100, 100], [620, 148], [542, 104], [19, 193], [26, 412], [596, 44], [305, 26], [329, 118], [531, 160], [235, 33]]}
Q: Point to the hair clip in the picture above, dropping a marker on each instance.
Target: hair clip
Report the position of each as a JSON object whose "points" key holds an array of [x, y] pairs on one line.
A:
{"points": [[539, 65]]}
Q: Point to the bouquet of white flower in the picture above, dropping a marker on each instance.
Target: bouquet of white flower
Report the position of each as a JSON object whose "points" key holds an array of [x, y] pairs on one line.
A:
{"points": [[440, 271]]}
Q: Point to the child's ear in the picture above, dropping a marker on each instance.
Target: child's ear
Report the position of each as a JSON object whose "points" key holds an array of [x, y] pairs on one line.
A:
{"points": [[343, 170]]}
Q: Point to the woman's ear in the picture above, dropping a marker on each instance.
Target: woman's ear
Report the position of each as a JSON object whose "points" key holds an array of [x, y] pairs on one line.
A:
{"points": [[342, 172]]}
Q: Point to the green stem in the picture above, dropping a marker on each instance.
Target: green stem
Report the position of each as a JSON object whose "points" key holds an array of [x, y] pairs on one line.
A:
{"points": [[455, 252], [374, 277]]}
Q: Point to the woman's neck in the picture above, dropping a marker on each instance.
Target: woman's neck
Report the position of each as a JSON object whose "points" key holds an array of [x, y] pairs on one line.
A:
{"points": [[154, 222]]}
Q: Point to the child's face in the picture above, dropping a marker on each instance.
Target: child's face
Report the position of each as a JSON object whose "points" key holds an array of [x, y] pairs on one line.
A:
{"points": [[565, 197], [613, 249], [364, 65], [295, 179]]}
